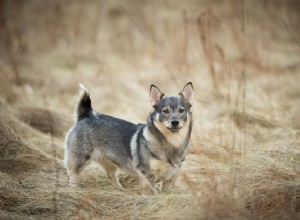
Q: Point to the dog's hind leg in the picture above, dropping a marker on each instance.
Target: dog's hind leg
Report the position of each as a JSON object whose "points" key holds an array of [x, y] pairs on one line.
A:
{"points": [[114, 178], [72, 178], [111, 170], [75, 166]]}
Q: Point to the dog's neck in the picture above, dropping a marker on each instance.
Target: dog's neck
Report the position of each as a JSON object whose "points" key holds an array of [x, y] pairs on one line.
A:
{"points": [[170, 144]]}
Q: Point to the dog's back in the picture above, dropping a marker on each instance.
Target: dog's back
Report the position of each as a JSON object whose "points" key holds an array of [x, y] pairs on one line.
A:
{"points": [[98, 137]]}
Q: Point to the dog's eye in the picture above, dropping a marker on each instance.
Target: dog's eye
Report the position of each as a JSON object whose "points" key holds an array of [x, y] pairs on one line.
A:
{"points": [[166, 111], [181, 110]]}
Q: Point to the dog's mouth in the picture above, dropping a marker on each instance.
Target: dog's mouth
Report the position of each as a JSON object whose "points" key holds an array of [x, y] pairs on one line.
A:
{"points": [[174, 125], [173, 129]]}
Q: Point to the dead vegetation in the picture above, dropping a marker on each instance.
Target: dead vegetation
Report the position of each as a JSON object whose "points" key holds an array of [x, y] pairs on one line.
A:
{"points": [[275, 188], [16, 157], [243, 59], [45, 120]]}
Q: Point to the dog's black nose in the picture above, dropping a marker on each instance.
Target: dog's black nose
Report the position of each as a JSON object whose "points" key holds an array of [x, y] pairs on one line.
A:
{"points": [[175, 123]]}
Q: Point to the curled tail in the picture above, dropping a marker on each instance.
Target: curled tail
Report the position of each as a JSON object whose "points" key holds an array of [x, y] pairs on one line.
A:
{"points": [[84, 106]]}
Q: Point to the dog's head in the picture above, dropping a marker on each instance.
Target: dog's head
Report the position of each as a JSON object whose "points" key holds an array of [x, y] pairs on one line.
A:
{"points": [[172, 112]]}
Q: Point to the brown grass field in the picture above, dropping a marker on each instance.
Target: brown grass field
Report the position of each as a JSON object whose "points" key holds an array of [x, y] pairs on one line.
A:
{"points": [[243, 58]]}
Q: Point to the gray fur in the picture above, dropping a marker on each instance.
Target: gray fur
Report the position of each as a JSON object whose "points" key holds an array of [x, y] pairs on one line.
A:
{"points": [[153, 151]]}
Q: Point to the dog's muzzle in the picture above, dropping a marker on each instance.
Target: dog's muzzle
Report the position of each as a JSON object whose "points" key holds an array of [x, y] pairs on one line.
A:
{"points": [[174, 127]]}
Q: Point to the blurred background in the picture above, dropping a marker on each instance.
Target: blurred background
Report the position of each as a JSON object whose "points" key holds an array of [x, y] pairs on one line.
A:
{"points": [[243, 58]]}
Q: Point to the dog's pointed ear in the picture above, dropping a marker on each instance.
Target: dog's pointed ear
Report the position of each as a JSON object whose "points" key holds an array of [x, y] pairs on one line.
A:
{"points": [[188, 93], [155, 95]]}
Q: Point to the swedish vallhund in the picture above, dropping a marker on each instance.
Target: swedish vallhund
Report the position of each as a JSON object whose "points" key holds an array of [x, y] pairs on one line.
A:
{"points": [[153, 151]]}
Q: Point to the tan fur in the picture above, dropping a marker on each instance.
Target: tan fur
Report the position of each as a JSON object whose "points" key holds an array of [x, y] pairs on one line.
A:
{"points": [[72, 178], [174, 138], [164, 174], [147, 188], [111, 170]]}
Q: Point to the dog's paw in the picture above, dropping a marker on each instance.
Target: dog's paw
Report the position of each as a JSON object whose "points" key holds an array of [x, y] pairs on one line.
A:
{"points": [[149, 191]]}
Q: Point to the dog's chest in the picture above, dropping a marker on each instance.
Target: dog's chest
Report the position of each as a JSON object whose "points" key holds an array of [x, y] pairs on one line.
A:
{"points": [[161, 170], [177, 139], [165, 150]]}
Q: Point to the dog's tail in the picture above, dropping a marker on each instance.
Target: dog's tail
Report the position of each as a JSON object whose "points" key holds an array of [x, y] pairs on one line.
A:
{"points": [[84, 106]]}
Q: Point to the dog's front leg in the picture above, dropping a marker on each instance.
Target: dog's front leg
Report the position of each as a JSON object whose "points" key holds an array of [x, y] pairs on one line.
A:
{"points": [[147, 186], [170, 177], [168, 184]]}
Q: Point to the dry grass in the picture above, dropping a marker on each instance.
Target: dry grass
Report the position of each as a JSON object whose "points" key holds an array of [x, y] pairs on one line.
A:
{"points": [[274, 190], [45, 120], [16, 156], [243, 59]]}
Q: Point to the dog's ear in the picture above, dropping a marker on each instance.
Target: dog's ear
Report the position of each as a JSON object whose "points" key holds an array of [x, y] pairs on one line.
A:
{"points": [[155, 95], [188, 93]]}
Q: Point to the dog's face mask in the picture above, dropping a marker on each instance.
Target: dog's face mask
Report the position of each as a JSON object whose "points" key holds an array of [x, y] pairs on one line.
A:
{"points": [[172, 112]]}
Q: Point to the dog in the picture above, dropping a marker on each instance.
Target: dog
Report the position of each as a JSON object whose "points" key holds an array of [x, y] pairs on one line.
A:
{"points": [[154, 151]]}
